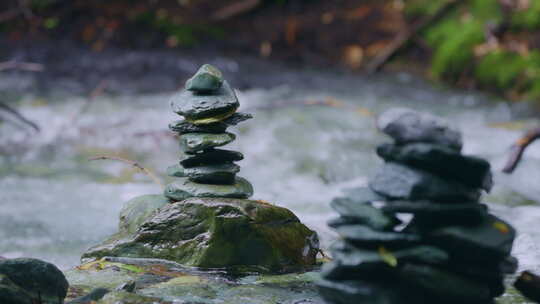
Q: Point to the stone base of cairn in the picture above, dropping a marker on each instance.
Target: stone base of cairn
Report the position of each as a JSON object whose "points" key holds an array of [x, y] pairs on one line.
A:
{"points": [[418, 233]]}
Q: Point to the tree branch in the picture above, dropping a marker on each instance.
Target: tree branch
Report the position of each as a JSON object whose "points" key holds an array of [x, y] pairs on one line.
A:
{"points": [[131, 163], [518, 148], [19, 116]]}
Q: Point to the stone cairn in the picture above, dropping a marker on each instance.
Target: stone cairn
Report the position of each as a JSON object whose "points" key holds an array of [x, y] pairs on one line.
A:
{"points": [[208, 106], [418, 233]]}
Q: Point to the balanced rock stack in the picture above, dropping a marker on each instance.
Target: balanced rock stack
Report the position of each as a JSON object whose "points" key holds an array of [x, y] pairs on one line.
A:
{"points": [[418, 233], [208, 106]]}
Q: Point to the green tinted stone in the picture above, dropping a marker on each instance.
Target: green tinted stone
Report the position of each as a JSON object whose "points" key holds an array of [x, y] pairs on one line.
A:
{"points": [[207, 78], [206, 108], [364, 235], [182, 126], [194, 142], [184, 188], [364, 213], [212, 156], [211, 174]]}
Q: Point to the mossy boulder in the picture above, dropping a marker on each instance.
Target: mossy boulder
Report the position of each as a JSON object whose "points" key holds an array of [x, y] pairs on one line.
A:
{"points": [[219, 233]]}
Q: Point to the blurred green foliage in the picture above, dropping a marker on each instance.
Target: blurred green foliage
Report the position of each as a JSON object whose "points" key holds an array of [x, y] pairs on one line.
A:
{"points": [[456, 37]]}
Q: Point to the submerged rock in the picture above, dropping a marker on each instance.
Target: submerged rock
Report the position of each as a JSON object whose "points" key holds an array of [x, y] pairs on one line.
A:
{"points": [[28, 281], [219, 233]]}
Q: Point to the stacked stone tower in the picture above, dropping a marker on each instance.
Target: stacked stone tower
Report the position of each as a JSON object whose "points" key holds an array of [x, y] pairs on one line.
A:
{"points": [[418, 233], [208, 106]]}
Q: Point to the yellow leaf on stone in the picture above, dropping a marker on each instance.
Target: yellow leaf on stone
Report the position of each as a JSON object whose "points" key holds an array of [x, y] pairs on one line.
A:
{"points": [[502, 227], [387, 257]]}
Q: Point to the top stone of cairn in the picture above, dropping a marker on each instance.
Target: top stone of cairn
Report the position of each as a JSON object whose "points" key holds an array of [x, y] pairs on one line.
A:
{"points": [[408, 126], [207, 78]]}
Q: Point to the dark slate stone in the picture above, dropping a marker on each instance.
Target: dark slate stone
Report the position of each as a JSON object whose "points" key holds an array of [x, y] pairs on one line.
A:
{"points": [[444, 284], [440, 214], [206, 108], [441, 160], [352, 291], [208, 78], [363, 213], [397, 181], [490, 239], [195, 142], [209, 157], [408, 126], [13, 294], [211, 174], [366, 236], [528, 284], [182, 126], [36, 277]]}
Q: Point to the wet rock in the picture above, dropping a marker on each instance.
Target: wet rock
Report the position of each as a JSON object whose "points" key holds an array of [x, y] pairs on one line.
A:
{"points": [[445, 285], [211, 174], [206, 108], [439, 214], [137, 210], [194, 142], [363, 213], [184, 188], [490, 239], [38, 280], [95, 295], [442, 161], [528, 284], [353, 291], [211, 157], [408, 126], [182, 126], [216, 233], [397, 181], [363, 235], [207, 79]]}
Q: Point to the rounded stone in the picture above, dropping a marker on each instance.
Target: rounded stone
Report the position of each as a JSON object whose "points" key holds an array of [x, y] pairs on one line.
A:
{"points": [[211, 174], [195, 142], [208, 78], [184, 188], [183, 126]]}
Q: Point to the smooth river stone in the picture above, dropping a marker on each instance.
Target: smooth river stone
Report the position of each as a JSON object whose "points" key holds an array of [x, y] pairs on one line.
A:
{"points": [[439, 214], [364, 235], [446, 285], [489, 240], [208, 108], [408, 126], [194, 142], [209, 157], [182, 126], [397, 181], [441, 160], [184, 188], [212, 174], [362, 213], [353, 263], [208, 78]]}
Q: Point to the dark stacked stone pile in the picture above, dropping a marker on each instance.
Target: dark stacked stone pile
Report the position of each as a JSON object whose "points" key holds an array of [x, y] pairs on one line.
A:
{"points": [[418, 234], [208, 106]]}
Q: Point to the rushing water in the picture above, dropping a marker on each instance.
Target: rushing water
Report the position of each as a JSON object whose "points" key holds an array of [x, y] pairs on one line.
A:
{"points": [[306, 144]]}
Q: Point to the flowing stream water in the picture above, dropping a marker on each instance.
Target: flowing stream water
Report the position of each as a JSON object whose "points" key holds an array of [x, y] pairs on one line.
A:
{"points": [[307, 143]]}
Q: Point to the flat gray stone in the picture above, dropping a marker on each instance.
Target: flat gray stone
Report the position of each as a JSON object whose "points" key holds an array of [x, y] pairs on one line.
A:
{"points": [[397, 181], [208, 107], [363, 213], [184, 188], [182, 126], [194, 142], [364, 235], [210, 174], [408, 126]]}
